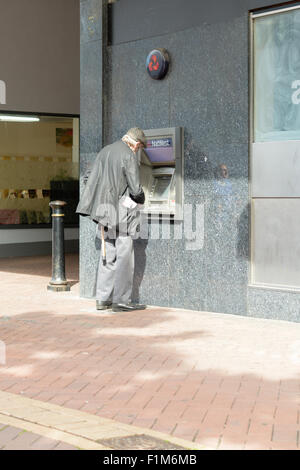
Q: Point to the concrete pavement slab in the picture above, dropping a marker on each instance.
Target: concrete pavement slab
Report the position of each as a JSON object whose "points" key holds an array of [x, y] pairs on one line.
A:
{"points": [[76, 428]]}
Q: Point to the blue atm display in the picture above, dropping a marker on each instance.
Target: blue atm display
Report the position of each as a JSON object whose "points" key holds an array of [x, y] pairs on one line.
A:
{"points": [[160, 150]]}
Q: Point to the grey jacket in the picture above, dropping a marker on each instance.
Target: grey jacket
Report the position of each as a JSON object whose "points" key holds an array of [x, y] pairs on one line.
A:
{"points": [[113, 174]]}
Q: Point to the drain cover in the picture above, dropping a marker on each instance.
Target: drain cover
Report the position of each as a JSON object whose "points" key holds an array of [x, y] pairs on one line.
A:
{"points": [[138, 442]]}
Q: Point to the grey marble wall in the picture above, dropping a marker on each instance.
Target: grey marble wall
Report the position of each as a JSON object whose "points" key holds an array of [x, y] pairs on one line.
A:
{"points": [[206, 92], [92, 44]]}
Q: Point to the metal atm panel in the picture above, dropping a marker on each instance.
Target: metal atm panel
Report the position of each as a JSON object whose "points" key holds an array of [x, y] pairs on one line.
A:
{"points": [[161, 173]]}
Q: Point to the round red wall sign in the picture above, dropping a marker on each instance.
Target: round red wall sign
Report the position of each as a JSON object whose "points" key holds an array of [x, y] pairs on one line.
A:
{"points": [[157, 63]]}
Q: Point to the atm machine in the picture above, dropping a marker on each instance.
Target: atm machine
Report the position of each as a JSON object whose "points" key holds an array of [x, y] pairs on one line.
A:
{"points": [[161, 173]]}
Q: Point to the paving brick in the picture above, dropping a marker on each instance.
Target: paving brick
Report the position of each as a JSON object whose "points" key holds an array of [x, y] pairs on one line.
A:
{"points": [[106, 413], [286, 415], [22, 442], [292, 386], [243, 405], [231, 443], [194, 413], [215, 417], [144, 422], [165, 426], [258, 444], [73, 403], [76, 385], [237, 424], [59, 399], [7, 434], [125, 417], [175, 410], [55, 381], [268, 394], [230, 385], [264, 410], [287, 434], [31, 392], [17, 387], [283, 446], [92, 407], [260, 429], [148, 366], [222, 400], [45, 395], [63, 446], [43, 443], [140, 399], [185, 431], [210, 438], [5, 384]]}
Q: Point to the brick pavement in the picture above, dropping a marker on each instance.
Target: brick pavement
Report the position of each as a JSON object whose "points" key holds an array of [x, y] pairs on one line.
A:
{"points": [[12, 438], [224, 381]]}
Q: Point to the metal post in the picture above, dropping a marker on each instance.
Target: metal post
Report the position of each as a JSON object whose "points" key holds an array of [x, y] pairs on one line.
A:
{"points": [[58, 281]]}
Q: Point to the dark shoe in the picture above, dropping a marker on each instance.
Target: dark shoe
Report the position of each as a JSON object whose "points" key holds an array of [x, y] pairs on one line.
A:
{"points": [[127, 307], [103, 304]]}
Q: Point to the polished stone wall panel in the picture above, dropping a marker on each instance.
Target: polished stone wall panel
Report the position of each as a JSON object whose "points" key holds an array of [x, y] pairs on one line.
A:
{"points": [[91, 97], [91, 20], [174, 15], [92, 41], [272, 303], [228, 81], [206, 91]]}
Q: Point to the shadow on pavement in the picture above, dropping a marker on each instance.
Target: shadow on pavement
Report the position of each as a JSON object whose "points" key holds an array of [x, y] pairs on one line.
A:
{"points": [[155, 369]]}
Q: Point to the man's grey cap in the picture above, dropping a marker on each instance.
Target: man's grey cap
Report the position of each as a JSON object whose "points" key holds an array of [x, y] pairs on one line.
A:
{"points": [[137, 134]]}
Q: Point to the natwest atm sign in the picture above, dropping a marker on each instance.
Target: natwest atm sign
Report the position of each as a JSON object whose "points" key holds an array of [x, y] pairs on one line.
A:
{"points": [[162, 142]]}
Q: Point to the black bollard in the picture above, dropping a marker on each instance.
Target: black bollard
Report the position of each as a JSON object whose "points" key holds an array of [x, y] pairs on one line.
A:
{"points": [[58, 281]]}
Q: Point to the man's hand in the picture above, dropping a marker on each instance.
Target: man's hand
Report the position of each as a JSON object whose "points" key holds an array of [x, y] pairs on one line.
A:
{"points": [[138, 198]]}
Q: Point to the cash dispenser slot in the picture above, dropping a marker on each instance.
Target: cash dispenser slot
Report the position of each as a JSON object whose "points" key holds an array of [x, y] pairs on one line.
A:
{"points": [[161, 189]]}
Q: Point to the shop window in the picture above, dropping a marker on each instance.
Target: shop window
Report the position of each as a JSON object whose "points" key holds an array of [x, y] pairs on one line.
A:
{"points": [[275, 149], [39, 162], [277, 77]]}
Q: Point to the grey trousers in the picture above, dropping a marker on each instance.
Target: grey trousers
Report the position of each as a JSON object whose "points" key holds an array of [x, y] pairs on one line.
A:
{"points": [[115, 278]]}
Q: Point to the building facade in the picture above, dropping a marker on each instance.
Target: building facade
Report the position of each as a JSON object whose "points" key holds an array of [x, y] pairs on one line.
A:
{"points": [[39, 122], [233, 85]]}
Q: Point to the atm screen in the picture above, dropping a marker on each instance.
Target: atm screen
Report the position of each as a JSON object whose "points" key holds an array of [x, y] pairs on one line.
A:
{"points": [[160, 150]]}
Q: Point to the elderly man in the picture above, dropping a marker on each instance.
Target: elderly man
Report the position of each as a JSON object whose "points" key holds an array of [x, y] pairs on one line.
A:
{"points": [[110, 198]]}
